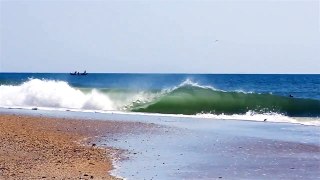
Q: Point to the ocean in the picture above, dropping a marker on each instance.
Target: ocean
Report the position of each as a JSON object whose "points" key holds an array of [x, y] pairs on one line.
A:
{"points": [[202, 126], [287, 98]]}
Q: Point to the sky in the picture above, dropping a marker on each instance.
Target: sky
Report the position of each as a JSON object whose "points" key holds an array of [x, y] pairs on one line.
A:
{"points": [[160, 36]]}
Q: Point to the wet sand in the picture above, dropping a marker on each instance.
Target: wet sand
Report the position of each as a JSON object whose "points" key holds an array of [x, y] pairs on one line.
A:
{"points": [[222, 149], [53, 148]]}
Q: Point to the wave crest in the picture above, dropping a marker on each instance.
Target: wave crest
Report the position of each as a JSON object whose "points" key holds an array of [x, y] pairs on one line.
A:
{"points": [[190, 98]]}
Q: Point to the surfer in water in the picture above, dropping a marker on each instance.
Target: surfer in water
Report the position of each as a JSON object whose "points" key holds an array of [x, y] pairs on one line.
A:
{"points": [[290, 96]]}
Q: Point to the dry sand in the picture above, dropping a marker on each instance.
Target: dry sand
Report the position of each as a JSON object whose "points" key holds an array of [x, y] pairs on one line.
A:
{"points": [[50, 148]]}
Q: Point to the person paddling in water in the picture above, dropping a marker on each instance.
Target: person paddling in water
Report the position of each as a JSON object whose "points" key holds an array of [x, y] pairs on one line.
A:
{"points": [[290, 96]]}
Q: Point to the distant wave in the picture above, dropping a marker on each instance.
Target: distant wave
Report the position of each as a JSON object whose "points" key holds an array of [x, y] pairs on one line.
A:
{"points": [[188, 98]]}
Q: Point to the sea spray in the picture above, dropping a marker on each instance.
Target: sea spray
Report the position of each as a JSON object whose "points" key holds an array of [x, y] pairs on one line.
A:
{"points": [[56, 94]]}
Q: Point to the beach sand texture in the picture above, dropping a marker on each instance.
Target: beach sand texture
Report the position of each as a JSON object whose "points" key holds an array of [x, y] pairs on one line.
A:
{"points": [[40, 148]]}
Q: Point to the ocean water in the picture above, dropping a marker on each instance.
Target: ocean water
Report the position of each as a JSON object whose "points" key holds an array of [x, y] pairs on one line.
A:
{"points": [[193, 140], [223, 96]]}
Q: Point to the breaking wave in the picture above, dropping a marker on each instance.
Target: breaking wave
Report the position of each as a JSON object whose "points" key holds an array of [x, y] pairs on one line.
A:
{"points": [[56, 94], [188, 98], [193, 99]]}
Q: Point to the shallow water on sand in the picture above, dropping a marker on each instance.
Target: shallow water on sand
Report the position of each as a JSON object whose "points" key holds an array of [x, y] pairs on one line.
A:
{"points": [[225, 149]]}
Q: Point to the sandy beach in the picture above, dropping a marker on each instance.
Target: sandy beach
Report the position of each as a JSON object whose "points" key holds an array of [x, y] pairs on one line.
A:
{"points": [[40, 148], [58, 145]]}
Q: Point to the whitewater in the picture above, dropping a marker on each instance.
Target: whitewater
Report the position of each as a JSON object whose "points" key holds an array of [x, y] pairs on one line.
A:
{"points": [[187, 99]]}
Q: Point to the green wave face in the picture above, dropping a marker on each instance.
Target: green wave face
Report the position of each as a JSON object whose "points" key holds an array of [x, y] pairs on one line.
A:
{"points": [[193, 100]]}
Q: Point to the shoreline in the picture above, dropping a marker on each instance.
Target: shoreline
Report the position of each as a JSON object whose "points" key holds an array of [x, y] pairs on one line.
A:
{"points": [[255, 117], [147, 147], [55, 148]]}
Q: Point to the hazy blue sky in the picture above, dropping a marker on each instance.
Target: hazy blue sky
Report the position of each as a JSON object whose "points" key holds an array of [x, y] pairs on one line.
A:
{"points": [[261, 36]]}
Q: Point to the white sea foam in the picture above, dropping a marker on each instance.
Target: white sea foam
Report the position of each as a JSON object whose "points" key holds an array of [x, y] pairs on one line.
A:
{"points": [[269, 117], [55, 94]]}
